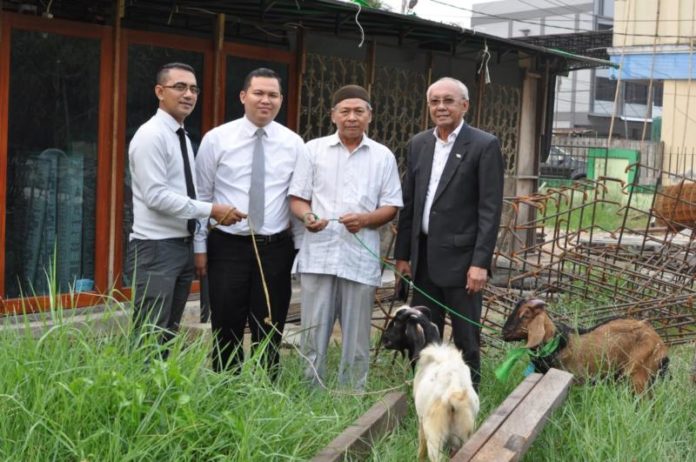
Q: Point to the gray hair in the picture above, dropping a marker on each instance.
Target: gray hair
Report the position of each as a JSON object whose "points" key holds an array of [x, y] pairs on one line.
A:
{"points": [[462, 88]]}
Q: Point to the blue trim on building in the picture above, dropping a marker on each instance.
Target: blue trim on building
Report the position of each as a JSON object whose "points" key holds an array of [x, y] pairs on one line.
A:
{"points": [[666, 66]]}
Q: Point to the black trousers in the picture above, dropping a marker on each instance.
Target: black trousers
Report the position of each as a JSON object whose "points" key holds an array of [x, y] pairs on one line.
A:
{"points": [[237, 295], [467, 336]]}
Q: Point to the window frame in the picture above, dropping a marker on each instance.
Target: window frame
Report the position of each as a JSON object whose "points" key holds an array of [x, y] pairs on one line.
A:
{"points": [[8, 23]]}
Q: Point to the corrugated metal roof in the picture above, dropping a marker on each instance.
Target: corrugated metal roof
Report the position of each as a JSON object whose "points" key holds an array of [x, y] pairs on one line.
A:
{"points": [[271, 21]]}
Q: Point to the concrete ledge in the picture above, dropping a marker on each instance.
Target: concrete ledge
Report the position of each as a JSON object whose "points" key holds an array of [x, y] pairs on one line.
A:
{"points": [[99, 319], [356, 440]]}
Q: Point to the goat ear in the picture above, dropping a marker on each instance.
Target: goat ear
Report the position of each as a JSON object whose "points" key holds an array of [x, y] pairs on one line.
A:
{"points": [[424, 310], [415, 333], [535, 332]]}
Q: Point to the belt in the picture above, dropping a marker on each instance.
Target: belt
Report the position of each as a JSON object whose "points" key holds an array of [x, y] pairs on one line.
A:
{"points": [[183, 240], [260, 239]]}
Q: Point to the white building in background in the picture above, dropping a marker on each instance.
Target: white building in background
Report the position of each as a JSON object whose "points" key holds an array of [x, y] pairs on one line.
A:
{"points": [[585, 98]]}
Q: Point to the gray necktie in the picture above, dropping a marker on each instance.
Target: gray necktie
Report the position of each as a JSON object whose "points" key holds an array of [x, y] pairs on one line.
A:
{"points": [[257, 189]]}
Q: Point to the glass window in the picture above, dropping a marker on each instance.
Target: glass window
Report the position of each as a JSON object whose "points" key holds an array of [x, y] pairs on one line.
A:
{"points": [[143, 63], [237, 70], [51, 162], [636, 92], [605, 89], [657, 93]]}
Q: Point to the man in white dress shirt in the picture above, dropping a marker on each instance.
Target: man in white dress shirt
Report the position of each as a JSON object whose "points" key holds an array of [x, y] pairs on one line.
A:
{"points": [[344, 189], [165, 207], [226, 173]]}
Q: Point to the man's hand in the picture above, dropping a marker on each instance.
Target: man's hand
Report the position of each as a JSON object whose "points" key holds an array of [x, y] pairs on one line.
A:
{"points": [[226, 214], [354, 222], [313, 224], [476, 279], [200, 262], [403, 268]]}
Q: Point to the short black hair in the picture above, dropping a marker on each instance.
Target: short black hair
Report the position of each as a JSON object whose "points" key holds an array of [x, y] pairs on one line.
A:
{"points": [[262, 72], [164, 70]]}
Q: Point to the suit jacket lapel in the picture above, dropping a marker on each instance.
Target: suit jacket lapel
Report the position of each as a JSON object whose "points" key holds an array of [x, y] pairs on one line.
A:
{"points": [[455, 157]]}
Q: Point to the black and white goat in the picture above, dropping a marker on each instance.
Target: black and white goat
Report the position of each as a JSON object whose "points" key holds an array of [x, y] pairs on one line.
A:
{"points": [[410, 330], [445, 399]]}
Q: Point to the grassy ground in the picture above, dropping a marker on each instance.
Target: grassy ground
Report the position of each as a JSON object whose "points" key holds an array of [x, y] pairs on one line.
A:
{"points": [[603, 422], [573, 212], [71, 395]]}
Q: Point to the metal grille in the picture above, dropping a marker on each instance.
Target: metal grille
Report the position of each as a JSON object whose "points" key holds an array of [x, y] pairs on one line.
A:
{"points": [[598, 244], [398, 98], [500, 115]]}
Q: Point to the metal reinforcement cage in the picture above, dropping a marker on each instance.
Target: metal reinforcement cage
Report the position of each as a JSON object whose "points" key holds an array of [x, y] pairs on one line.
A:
{"points": [[599, 249]]}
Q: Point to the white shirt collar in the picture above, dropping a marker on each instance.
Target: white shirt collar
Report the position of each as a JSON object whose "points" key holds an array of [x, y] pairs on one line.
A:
{"points": [[168, 120], [335, 140], [452, 136], [250, 127]]}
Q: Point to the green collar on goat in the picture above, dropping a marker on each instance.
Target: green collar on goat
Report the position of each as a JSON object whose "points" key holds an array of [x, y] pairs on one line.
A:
{"points": [[543, 353]]}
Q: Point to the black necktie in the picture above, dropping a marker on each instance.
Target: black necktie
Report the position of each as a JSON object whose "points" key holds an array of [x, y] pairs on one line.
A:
{"points": [[190, 190]]}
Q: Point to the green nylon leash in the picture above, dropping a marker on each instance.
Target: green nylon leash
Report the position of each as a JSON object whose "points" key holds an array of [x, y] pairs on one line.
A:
{"points": [[421, 291]]}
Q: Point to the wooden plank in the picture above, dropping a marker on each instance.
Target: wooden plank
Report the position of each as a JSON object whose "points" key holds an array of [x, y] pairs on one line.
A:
{"points": [[523, 425], [496, 419], [357, 439]]}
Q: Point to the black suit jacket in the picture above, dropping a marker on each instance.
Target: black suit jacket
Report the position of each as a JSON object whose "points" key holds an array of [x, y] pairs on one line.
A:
{"points": [[465, 214]]}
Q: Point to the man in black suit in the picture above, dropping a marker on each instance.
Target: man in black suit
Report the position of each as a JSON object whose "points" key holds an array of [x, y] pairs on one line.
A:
{"points": [[453, 196]]}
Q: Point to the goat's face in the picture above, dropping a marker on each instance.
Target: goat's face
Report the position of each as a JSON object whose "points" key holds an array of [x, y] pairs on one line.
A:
{"points": [[394, 336], [528, 321], [405, 330]]}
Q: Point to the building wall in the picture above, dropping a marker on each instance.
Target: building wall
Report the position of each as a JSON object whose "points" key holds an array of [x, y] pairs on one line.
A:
{"points": [[635, 22], [653, 40], [679, 129], [518, 18]]}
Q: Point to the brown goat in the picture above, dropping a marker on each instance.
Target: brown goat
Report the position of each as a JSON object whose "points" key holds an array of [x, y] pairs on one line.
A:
{"points": [[622, 347]]}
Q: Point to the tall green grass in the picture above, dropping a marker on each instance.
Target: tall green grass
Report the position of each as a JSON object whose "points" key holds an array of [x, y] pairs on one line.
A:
{"points": [[602, 422], [80, 395], [73, 394]]}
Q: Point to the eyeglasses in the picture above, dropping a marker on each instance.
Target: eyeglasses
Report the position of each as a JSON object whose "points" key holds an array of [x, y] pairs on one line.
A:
{"points": [[445, 102], [182, 87]]}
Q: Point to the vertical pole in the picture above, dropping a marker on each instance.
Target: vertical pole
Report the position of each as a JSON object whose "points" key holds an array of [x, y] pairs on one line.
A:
{"points": [[525, 174], [119, 12], [218, 97], [301, 69]]}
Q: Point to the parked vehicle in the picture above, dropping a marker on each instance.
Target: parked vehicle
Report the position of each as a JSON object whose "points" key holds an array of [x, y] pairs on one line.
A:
{"points": [[561, 164]]}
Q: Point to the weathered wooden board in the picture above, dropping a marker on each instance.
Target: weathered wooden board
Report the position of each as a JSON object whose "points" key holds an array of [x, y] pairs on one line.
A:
{"points": [[496, 419], [357, 439], [509, 432]]}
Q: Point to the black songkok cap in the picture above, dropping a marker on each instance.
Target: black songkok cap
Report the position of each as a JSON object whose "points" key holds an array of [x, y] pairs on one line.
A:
{"points": [[348, 92]]}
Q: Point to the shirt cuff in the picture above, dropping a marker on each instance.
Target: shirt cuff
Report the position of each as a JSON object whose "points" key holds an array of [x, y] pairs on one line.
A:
{"points": [[203, 209], [301, 193], [199, 245]]}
